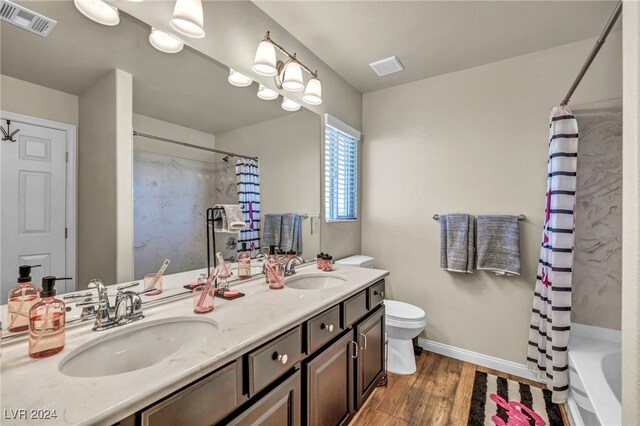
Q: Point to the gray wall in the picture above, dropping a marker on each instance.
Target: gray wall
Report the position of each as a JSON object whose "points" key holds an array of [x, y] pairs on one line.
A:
{"points": [[597, 270], [472, 141], [105, 223]]}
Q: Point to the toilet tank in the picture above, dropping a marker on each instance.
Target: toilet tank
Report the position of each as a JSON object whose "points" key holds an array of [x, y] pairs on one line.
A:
{"points": [[357, 260]]}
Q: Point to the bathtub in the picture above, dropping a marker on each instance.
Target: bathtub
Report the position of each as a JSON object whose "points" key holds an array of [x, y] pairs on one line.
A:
{"points": [[594, 376]]}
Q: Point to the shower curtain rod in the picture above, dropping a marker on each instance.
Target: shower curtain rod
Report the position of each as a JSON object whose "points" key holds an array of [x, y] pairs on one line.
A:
{"points": [[217, 151], [594, 51]]}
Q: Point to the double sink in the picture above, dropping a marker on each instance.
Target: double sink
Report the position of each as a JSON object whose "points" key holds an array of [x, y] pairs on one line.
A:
{"points": [[148, 343]]}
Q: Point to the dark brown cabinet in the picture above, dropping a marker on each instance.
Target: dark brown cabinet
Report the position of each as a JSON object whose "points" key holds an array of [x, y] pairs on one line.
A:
{"points": [[370, 360], [280, 407], [329, 384]]}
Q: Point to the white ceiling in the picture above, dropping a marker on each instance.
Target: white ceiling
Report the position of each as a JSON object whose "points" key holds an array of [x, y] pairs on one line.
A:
{"points": [[431, 37], [187, 88]]}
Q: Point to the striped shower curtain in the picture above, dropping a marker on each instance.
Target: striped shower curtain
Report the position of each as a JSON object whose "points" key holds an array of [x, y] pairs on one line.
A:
{"points": [[551, 313], [248, 182]]}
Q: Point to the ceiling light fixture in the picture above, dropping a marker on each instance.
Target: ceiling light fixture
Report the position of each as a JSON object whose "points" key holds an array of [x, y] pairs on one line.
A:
{"points": [[287, 75], [165, 42], [266, 93], [238, 80], [289, 105], [99, 11], [188, 18]]}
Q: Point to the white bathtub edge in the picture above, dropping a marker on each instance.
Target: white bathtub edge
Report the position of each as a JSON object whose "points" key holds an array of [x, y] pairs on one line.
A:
{"points": [[600, 333]]}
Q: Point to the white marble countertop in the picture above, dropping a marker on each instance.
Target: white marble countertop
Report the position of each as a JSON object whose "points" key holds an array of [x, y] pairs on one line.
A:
{"points": [[243, 324]]}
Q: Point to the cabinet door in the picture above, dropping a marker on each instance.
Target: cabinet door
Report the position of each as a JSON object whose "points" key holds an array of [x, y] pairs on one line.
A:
{"points": [[370, 361], [329, 378], [280, 407]]}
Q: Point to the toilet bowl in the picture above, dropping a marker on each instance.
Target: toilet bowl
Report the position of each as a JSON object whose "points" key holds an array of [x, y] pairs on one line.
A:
{"points": [[403, 323]]}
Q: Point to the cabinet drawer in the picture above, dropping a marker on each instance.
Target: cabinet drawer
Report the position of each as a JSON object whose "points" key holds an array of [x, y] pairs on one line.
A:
{"points": [[272, 360], [355, 308], [202, 403], [376, 294], [323, 328]]}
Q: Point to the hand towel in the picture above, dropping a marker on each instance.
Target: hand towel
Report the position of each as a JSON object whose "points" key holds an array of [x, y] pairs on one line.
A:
{"points": [[228, 218], [457, 236], [499, 244], [272, 229], [291, 238]]}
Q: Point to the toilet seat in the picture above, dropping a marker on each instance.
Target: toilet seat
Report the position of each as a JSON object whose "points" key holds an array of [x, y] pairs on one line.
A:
{"points": [[404, 312]]}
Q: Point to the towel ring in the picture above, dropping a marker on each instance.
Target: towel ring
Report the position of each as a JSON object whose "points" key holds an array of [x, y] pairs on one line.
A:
{"points": [[521, 217]]}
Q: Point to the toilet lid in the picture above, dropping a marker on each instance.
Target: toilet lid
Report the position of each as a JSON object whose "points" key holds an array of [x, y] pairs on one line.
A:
{"points": [[401, 310]]}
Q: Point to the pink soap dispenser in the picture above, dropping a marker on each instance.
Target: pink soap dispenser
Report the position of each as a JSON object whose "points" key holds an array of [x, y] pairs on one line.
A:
{"points": [[21, 298], [47, 322], [244, 263]]}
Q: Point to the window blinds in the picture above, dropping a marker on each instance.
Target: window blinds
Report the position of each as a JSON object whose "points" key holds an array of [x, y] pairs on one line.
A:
{"points": [[341, 175]]}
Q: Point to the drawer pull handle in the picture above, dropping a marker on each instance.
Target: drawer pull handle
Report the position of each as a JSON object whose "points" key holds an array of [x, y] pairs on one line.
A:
{"points": [[365, 342], [282, 358], [355, 351], [381, 293], [329, 327]]}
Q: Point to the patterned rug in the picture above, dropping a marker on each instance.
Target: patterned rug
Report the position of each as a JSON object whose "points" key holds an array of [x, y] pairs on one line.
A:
{"points": [[497, 401]]}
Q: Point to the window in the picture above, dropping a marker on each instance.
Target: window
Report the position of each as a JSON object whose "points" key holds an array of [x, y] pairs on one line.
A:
{"points": [[340, 170]]}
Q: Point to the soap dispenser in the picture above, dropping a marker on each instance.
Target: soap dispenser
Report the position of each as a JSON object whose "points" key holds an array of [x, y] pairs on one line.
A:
{"points": [[21, 298], [47, 321], [244, 263]]}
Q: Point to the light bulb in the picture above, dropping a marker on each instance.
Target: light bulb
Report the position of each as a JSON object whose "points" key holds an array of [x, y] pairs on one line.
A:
{"points": [[238, 80], [289, 105], [292, 77], [313, 92], [165, 42], [265, 60], [188, 18], [266, 93], [99, 11]]}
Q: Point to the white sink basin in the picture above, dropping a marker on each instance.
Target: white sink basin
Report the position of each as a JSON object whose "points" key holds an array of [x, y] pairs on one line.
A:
{"points": [[138, 346], [318, 281]]}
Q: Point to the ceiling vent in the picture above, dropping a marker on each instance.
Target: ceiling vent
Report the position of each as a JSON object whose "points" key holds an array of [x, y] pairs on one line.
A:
{"points": [[387, 66], [26, 19]]}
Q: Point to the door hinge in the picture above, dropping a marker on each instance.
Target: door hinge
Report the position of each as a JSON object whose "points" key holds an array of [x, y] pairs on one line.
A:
{"points": [[66, 157], [66, 232]]}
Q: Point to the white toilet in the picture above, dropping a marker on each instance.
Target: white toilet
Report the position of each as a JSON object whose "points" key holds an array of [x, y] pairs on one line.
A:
{"points": [[403, 322]]}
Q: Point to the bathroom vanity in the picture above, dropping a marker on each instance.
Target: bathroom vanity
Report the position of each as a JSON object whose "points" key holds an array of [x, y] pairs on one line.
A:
{"points": [[310, 353]]}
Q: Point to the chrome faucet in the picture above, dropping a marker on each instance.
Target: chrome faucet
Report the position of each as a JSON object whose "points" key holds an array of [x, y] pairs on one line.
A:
{"points": [[127, 306], [289, 267]]}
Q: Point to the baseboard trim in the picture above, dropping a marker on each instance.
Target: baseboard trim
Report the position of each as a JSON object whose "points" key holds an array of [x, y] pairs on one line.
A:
{"points": [[494, 363]]}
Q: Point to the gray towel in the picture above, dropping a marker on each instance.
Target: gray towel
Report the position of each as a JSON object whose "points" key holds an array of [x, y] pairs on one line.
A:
{"points": [[291, 238], [457, 251], [499, 244], [228, 218], [272, 229]]}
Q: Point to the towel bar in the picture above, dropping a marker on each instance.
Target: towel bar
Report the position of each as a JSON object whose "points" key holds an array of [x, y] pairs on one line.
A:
{"points": [[521, 217]]}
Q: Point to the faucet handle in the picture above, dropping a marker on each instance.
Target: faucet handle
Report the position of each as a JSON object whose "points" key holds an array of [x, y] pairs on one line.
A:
{"points": [[91, 303], [98, 285], [122, 287], [77, 296]]}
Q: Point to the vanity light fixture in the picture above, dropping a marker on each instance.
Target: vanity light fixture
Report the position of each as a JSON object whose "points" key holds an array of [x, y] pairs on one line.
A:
{"points": [[165, 42], [287, 75], [266, 93], [313, 92], [188, 18], [289, 105], [237, 79], [99, 11]]}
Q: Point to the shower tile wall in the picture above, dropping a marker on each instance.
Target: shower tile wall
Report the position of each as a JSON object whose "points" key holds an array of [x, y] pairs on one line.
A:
{"points": [[597, 291], [226, 192], [171, 196]]}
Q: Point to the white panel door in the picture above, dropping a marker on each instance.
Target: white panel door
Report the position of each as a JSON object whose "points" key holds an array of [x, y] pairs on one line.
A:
{"points": [[33, 204]]}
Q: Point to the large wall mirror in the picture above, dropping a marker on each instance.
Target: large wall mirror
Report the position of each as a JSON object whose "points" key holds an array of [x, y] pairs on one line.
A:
{"points": [[128, 202]]}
